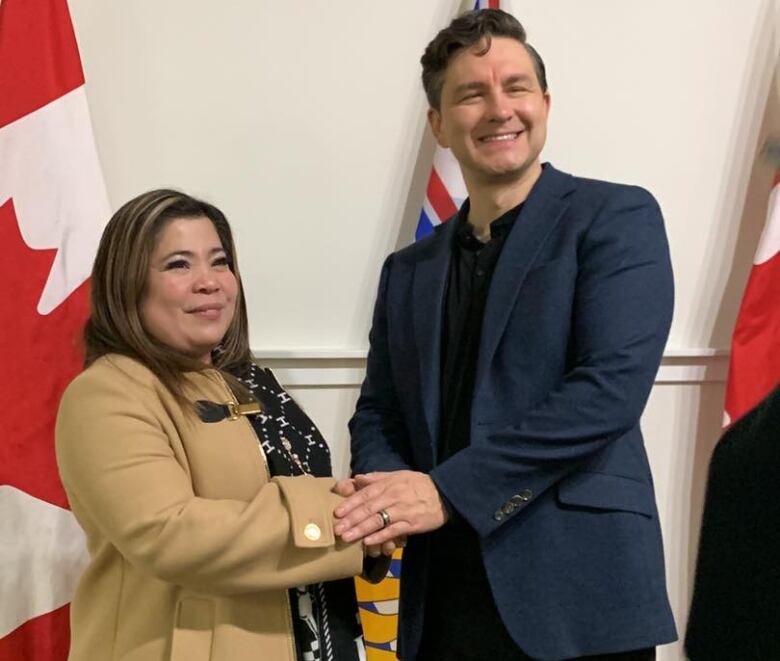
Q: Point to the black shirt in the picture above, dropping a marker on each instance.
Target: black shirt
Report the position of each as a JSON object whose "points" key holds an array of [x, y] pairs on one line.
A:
{"points": [[471, 271], [461, 619]]}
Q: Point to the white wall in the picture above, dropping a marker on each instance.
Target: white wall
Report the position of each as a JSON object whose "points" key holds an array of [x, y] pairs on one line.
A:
{"points": [[305, 123]]}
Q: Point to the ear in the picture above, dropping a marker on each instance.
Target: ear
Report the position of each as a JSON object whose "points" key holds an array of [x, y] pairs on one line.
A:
{"points": [[547, 103], [435, 121]]}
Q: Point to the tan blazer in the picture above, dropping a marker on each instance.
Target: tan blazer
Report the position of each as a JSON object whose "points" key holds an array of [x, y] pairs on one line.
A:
{"points": [[192, 545]]}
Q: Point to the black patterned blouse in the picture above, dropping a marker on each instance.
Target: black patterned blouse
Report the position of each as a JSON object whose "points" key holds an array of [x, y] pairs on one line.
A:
{"points": [[325, 620]]}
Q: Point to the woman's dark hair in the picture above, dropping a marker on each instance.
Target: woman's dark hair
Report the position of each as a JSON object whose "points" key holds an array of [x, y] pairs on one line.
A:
{"points": [[468, 29], [118, 284]]}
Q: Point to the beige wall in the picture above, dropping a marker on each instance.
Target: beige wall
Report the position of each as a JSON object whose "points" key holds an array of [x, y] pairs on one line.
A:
{"points": [[304, 122]]}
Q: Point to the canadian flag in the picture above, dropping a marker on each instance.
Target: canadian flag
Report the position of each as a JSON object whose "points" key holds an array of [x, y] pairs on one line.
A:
{"points": [[53, 206], [754, 369]]}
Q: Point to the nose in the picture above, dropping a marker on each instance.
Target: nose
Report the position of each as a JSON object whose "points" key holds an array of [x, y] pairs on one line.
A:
{"points": [[206, 280], [499, 108]]}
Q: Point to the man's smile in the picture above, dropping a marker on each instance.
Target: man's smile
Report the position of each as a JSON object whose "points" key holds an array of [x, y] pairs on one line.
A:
{"points": [[500, 137]]}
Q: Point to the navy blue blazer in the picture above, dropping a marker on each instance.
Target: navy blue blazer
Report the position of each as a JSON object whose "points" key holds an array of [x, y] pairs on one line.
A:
{"points": [[556, 481]]}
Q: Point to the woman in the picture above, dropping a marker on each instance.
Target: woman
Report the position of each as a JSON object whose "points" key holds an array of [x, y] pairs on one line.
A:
{"points": [[203, 489]]}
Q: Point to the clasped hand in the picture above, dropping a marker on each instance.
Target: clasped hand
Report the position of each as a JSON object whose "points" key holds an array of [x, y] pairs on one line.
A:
{"points": [[410, 499]]}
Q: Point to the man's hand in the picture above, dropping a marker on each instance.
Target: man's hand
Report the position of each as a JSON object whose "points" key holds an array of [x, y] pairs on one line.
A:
{"points": [[347, 488], [410, 499]]}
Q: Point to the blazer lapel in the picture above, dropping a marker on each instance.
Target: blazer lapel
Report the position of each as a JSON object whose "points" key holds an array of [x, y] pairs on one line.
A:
{"points": [[540, 214], [428, 288]]}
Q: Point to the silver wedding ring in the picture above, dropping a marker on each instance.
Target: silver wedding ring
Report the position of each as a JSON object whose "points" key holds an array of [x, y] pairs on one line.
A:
{"points": [[385, 518]]}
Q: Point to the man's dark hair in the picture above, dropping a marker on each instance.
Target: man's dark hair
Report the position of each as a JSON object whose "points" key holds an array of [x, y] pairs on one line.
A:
{"points": [[468, 29]]}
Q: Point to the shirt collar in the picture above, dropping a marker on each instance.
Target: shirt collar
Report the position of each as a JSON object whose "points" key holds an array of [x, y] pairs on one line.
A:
{"points": [[499, 228]]}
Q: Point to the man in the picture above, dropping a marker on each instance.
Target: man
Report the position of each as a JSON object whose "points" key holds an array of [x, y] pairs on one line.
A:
{"points": [[511, 357]]}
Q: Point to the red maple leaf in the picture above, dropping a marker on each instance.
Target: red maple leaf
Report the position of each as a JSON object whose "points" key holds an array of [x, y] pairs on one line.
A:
{"points": [[41, 354]]}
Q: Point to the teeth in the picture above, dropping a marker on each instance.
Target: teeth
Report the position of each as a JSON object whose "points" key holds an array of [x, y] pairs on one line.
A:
{"points": [[495, 138]]}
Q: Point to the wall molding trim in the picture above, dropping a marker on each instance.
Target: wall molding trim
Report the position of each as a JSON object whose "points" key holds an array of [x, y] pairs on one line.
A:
{"points": [[322, 367]]}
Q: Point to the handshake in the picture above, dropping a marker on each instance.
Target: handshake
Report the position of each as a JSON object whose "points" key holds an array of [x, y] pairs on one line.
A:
{"points": [[382, 509]]}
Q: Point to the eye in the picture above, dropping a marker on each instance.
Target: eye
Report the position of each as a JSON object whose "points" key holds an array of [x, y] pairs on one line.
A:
{"points": [[177, 264], [221, 261], [471, 96]]}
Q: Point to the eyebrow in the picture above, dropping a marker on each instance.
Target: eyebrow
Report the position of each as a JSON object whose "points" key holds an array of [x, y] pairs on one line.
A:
{"points": [[189, 253], [519, 78], [478, 85], [468, 87]]}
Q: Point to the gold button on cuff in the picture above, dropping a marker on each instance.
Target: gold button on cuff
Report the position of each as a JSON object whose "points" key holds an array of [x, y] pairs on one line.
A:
{"points": [[312, 532]]}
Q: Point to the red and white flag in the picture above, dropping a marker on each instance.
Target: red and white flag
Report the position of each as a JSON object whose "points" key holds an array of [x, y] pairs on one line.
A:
{"points": [[53, 206], [754, 369]]}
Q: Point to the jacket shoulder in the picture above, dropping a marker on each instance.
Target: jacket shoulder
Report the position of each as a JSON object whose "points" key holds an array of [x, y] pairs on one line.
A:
{"points": [[119, 371], [600, 193], [423, 247], [111, 378]]}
